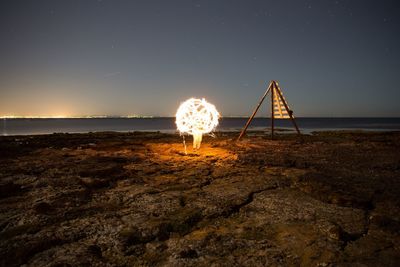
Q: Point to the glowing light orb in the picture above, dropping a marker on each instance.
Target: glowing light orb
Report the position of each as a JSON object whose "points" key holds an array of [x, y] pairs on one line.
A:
{"points": [[196, 117]]}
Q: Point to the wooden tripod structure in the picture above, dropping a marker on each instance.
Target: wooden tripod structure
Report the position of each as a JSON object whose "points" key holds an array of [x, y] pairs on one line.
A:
{"points": [[279, 109]]}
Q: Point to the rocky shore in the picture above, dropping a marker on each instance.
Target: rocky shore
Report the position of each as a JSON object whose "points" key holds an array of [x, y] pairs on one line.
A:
{"points": [[136, 199]]}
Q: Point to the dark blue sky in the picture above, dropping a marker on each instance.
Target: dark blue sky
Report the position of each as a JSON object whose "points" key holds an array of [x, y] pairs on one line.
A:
{"points": [[332, 58]]}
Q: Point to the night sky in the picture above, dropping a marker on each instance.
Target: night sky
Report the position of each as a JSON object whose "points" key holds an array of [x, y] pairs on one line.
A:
{"points": [[331, 58]]}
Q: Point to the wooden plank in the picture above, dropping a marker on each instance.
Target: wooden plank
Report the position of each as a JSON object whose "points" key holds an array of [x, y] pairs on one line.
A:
{"points": [[287, 109], [272, 109], [278, 100]]}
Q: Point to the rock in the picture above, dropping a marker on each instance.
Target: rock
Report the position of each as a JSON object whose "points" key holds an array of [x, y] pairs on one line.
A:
{"points": [[43, 208], [94, 182], [189, 253], [133, 200], [94, 250], [9, 189]]}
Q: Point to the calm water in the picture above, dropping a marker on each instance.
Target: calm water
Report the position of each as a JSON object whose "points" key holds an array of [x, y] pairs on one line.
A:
{"points": [[307, 125]]}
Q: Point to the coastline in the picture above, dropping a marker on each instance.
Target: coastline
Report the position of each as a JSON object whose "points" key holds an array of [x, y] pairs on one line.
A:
{"points": [[32, 126], [135, 198]]}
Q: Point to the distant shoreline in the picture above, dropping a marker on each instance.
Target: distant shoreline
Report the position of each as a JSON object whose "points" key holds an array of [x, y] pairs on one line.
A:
{"points": [[170, 117]]}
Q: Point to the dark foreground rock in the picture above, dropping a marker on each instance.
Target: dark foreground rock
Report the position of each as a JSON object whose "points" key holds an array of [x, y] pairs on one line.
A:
{"points": [[136, 199]]}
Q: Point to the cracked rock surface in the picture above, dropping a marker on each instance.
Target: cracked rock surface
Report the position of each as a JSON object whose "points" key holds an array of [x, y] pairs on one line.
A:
{"points": [[136, 199]]}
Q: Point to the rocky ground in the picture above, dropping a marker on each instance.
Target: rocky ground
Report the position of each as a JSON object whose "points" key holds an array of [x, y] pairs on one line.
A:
{"points": [[136, 199]]}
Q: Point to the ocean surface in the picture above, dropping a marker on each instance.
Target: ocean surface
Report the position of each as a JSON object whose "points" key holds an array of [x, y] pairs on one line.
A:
{"points": [[306, 125]]}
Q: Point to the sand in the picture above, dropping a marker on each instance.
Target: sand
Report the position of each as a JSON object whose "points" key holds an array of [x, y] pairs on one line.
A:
{"points": [[135, 199]]}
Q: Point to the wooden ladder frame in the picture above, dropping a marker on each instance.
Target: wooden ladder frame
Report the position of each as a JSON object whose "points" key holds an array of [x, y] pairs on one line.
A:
{"points": [[274, 88]]}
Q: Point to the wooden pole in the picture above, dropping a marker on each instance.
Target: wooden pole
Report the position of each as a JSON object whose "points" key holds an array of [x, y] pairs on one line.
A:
{"points": [[272, 109], [287, 109], [254, 112]]}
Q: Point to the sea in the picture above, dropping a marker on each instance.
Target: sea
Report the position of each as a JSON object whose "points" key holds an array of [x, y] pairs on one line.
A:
{"points": [[24, 126]]}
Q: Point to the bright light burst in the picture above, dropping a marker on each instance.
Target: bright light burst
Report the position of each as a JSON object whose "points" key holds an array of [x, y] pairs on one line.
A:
{"points": [[196, 117]]}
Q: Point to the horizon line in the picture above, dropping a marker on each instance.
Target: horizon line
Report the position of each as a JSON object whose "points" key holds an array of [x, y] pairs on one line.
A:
{"points": [[156, 116]]}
